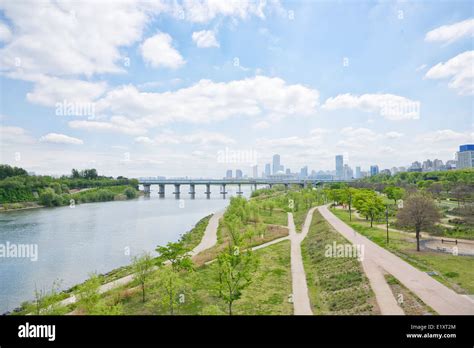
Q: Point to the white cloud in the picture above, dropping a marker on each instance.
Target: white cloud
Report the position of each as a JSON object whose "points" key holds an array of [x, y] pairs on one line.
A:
{"points": [[159, 52], [445, 135], [394, 135], [452, 32], [390, 106], [5, 33], [51, 90], [204, 11], [198, 138], [261, 125], [64, 38], [208, 101], [205, 38], [60, 139], [117, 124], [314, 139], [421, 67], [12, 134], [461, 71]]}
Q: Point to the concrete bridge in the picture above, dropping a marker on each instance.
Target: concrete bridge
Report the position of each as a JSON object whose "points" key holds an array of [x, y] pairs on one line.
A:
{"points": [[222, 183]]}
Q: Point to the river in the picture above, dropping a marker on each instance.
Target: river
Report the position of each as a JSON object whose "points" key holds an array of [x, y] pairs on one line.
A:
{"points": [[93, 237]]}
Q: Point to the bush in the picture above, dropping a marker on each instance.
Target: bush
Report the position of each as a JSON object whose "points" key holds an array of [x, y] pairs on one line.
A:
{"points": [[130, 193]]}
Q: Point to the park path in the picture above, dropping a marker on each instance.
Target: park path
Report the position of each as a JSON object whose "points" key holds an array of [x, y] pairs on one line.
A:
{"points": [[301, 302], [208, 240], [436, 295]]}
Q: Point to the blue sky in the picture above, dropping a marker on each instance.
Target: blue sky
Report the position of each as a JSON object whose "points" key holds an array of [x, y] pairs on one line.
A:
{"points": [[170, 85]]}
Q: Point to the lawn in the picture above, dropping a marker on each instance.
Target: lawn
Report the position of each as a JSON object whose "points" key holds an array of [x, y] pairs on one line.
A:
{"points": [[267, 294], [337, 285], [457, 272]]}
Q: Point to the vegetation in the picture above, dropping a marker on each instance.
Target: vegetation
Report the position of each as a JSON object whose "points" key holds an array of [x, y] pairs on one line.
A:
{"points": [[17, 186], [337, 285]]}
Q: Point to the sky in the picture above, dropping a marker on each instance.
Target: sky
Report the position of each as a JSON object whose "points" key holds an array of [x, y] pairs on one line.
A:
{"points": [[192, 88]]}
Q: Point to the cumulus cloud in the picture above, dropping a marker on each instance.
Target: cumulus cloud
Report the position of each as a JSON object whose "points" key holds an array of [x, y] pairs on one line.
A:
{"points": [[57, 138], [394, 135], [452, 32], [117, 124], [208, 101], [159, 52], [390, 106], [13, 134], [445, 135], [205, 38], [460, 69], [5, 33]]}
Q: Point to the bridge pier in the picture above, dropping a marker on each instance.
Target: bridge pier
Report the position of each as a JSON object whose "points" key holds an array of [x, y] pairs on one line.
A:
{"points": [[239, 191], [208, 191], [286, 186], [161, 190], [192, 190], [223, 192], [176, 190], [146, 189], [255, 187], [270, 185]]}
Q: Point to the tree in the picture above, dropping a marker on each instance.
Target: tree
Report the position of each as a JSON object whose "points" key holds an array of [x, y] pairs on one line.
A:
{"points": [[369, 204], [142, 267], [394, 192], [235, 270], [419, 212], [130, 193], [87, 294], [435, 189], [346, 196], [177, 255]]}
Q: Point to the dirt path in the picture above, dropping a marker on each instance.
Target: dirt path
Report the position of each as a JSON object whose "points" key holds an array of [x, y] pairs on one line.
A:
{"points": [[439, 297], [301, 302]]}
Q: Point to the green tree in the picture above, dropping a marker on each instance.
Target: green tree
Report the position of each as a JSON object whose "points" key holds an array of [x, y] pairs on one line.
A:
{"points": [[142, 268], [87, 294], [369, 204], [394, 192], [419, 212], [130, 193]]}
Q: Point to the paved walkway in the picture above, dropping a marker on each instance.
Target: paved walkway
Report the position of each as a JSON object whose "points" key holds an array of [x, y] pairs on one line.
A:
{"points": [[301, 302], [439, 297], [208, 240]]}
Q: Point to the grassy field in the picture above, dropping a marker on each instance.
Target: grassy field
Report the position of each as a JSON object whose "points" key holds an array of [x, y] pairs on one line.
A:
{"points": [[457, 272], [408, 301], [276, 217], [337, 285], [267, 294]]}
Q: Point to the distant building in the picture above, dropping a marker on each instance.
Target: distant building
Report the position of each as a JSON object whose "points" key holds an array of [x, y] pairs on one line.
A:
{"points": [[402, 169], [238, 174], [465, 156], [347, 172], [374, 170], [438, 165], [276, 164], [288, 171], [427, 166], [228, 174], [268, 170], [394, 170], [339, 167], [451, 164], [415, 167], [386, 172], [255, 171], [358, 173], [304, 172]]}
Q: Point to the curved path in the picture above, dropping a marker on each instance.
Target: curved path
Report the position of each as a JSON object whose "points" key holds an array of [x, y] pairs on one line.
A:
{"points": [[208, 240], [436, 295], [301, 302]]}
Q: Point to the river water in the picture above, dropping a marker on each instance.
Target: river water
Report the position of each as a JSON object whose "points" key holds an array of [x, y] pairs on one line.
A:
{"points": [[73, 242]]}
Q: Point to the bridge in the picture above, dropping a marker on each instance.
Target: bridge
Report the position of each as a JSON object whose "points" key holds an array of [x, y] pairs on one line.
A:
{"points": [[222, 183]]}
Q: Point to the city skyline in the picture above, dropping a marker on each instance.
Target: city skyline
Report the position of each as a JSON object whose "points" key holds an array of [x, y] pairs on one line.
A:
{"points": [[178, 84]]}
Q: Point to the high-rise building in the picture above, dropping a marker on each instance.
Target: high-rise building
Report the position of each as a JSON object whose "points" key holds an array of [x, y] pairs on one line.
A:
{"points": [[288, 171], [394, 170], [304, 172], [438, 165], [465, 156], [255, 171], [374, 170], [228, 174], [348, 173], [238, 174], [415, 167], [339, 167], [276, 164], [268, 170], [358, 174]]}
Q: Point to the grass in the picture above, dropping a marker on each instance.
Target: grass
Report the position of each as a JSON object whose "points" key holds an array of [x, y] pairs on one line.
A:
{"points": [[276, 217], [408, 301], [337, 285], [456, 272], [299, 216], [266, 295]]}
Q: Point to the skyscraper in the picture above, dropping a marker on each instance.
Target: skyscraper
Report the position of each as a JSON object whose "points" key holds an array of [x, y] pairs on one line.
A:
{"points": [[276, 164], [238, 174], [465, 156], [255, 171], [374, 170], [268, 170], [304, 172], [228, 174], [358, 174], [339, 167]]}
